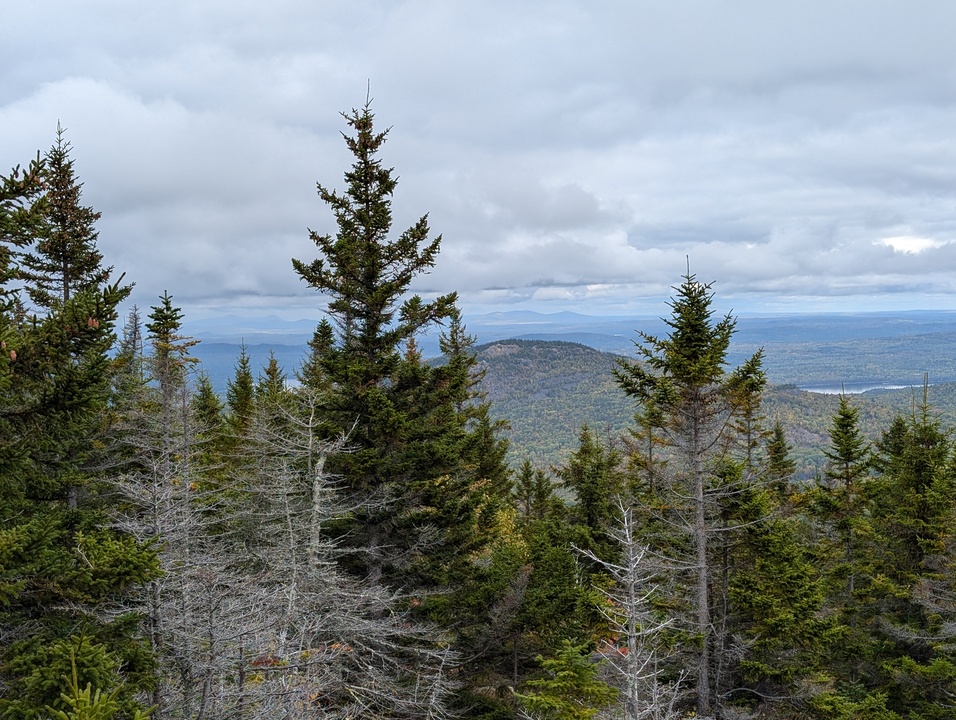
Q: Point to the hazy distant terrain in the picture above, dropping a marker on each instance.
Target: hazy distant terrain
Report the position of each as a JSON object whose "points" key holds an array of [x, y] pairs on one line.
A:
{"points": [[547, 390], [883, 348], [559, 376]]}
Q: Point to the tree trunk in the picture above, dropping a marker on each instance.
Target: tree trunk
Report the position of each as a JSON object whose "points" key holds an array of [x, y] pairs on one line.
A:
{"points": [[700, 542]]}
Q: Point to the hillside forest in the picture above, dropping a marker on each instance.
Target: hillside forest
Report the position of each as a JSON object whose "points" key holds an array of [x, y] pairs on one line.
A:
{"points": [[348, 538]]}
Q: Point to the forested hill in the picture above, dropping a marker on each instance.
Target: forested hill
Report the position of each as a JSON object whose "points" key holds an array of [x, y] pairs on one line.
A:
{"points": [[548, 389]]}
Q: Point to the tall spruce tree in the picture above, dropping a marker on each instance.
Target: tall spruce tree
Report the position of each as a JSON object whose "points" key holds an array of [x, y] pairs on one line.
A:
{"points": [[405, 437], [64, 260], [67, 573], [780, 466], [848, 462], [684, 378], [240, 395], [425, 474]]}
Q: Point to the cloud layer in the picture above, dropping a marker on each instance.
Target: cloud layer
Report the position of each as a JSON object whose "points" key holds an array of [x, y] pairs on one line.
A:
{"points": [[571, 155]]}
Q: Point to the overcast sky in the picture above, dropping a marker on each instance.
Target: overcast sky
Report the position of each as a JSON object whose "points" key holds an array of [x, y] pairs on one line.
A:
{"points": [[572, 154]]}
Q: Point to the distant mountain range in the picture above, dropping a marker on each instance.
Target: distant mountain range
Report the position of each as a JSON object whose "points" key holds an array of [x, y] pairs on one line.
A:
{"points": [[548, 374], [809, 350]]}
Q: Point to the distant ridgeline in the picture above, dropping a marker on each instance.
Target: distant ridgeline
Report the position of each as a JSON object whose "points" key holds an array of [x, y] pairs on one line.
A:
{"points": [[805, 350], [548, 374], [547, 390]]}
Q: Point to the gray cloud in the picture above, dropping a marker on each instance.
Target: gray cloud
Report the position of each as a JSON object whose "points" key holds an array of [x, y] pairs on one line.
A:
{"points": [[572, 155]]}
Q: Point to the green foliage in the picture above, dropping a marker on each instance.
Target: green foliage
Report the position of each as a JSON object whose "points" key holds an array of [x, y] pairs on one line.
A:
{"points": [[240, 395], [593, 475], [571, 690], [365, 273], [367, 385], [22, 218], [65, 260], [780, 466], [912, 505], [556, 598], [690, 359], [424, 454], [271, 384], [705, 413], [53, 675], [839, 498], [849, 456], [534, 492], [913, 497], [776, 597], [170, 361], [87, 704], [831, 705], [425, 474], [67, 576], [207, 407]]}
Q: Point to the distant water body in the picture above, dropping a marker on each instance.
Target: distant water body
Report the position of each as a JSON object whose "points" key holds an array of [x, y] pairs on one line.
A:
{"points": [[855, 388]]}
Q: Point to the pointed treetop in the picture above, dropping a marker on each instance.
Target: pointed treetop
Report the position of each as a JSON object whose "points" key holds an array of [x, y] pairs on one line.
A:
{"points": [[849, 453], [170, 359], [65, 259], [692, 355], [365, 273]]}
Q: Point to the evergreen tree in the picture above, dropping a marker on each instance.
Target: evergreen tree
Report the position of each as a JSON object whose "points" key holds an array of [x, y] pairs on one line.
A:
{"points": [[271, 384], [65, 260], [773, 621], [170, 361], [912, 503], [844, 554], [592, 473], [848, 462], [240, 395], [558, 602], [67, 575], [534, 492], [683, 376], [484, 451], [425, 474], [780, 466], [748, 383], [22, 218], [207, 406], [312, 374], [402, 416], [571, 690], [207, 415]]}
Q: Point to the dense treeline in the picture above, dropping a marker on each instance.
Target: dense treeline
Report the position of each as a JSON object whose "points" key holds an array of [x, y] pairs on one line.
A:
{"points": [[349, 541]]}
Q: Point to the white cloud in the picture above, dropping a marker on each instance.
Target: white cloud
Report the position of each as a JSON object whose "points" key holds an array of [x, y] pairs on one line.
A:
{"points": [[908, 245]]}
